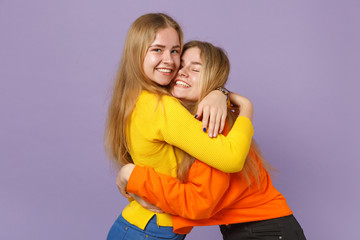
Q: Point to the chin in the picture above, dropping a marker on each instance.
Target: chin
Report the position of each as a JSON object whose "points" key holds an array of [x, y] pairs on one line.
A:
{"points": [[176, 95], [163, 82]]}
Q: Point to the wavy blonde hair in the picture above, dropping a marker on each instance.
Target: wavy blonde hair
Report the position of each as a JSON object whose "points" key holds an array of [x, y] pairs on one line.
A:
{"points": [[131, 80], [214, 73]]}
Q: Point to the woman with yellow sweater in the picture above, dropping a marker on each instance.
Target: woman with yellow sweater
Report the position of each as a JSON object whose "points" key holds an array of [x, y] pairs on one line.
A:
{"points": [[148, 127], [245, 203]]}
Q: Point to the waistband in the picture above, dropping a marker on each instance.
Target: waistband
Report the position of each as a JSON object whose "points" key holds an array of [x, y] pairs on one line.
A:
{"points": [[152, 228], [279, 221]]}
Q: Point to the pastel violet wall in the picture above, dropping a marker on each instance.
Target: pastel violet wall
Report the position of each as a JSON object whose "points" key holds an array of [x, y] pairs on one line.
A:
{"points": [[297, 60]]}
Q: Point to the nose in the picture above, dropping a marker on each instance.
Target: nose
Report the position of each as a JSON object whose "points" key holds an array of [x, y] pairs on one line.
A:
{"points": [[182, 72], [168, 58]]}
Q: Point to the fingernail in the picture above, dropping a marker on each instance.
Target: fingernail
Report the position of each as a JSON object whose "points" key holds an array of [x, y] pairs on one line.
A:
{"points": [[196, 116], [210, 135], [204, 129]]}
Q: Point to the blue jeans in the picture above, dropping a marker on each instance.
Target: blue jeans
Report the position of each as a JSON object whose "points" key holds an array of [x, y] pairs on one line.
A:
{"points": [[123, 230]]}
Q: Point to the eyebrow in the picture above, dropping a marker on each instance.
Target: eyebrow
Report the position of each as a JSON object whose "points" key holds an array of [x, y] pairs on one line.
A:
{"points": [[163, 46], [193, 63]]}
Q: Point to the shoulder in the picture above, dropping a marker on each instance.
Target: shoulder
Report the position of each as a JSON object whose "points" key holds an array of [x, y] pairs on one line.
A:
{"points": [[149, 97], [154, 107], [146, 101], [154, 101], [146, 96]]}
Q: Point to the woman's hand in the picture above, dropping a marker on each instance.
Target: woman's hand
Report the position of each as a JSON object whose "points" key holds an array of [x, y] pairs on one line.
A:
{"points": [[123, 178], [213, 110], [243, 104], [146, 204], [121, 182]]}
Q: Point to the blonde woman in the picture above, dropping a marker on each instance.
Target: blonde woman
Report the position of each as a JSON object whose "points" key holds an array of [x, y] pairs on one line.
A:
{"points": [[245, 204], [148, 127]]}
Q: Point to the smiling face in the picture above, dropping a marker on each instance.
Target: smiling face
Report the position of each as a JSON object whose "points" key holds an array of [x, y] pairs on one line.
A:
{"points": [[162, 58], [186, 85]]}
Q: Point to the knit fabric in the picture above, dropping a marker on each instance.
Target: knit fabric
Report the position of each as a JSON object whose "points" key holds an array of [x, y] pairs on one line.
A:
{"points": [[210, 196], [159, 127]]}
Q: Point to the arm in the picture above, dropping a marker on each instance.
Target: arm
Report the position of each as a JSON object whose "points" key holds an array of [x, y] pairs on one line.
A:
{"points": [[198, 198], [245, 105], [195, 199], [122, 180], [178, 127]]}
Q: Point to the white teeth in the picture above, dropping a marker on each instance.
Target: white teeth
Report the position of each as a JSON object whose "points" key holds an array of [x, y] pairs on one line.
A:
{"points": [[164, 70], [180, 83]]}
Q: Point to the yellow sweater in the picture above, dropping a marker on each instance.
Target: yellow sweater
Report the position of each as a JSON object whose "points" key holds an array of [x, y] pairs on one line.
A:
{"points": [[156, 132]]}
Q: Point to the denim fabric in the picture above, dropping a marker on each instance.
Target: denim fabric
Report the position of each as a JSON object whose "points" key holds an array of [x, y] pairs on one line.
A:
{"points": [[123, 230], [285, 228]]}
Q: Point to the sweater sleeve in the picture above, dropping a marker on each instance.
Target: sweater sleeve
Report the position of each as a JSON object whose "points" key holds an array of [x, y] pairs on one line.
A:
{"points": [[196, 199], [178, 127]]}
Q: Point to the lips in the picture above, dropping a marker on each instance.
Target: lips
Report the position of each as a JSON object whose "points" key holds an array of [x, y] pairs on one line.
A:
{"points": [[164, 70], [181, 83]]}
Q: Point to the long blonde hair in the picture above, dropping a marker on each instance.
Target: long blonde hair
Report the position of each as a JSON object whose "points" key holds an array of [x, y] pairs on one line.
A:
{"points": [[214, 73], [131, 80]]}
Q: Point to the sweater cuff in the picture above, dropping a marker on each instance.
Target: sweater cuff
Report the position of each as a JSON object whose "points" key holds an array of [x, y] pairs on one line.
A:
{"points": [[136, 180]]}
